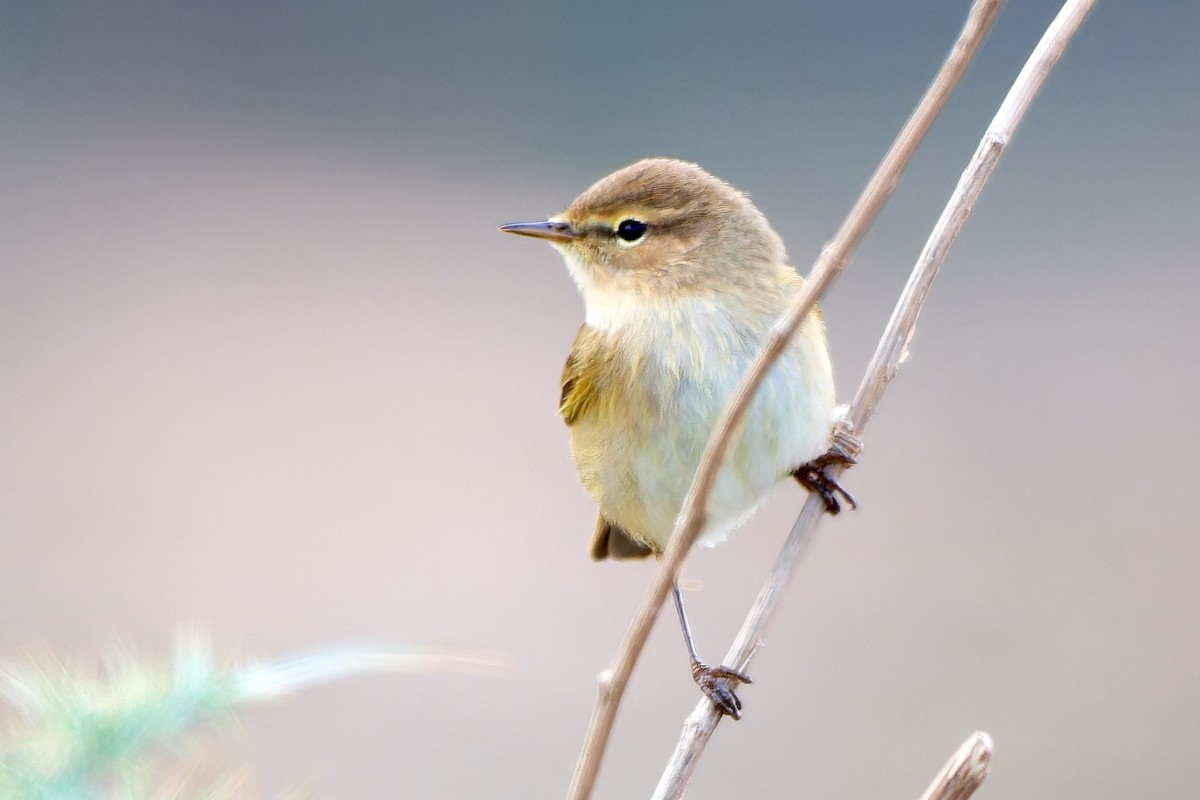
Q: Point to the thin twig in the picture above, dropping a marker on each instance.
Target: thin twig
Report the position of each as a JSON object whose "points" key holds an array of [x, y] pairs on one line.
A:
{"points": [[965, 770], [829, 265], [890, 354]]}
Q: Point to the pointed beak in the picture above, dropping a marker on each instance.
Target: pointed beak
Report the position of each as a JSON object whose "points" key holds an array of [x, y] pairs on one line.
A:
{"points": [[551, 230]]}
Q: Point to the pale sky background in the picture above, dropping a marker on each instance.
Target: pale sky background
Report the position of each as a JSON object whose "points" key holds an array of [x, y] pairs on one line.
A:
{"points": [[266, 366]]}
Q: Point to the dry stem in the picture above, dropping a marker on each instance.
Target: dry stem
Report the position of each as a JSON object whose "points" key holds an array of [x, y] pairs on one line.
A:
{"points": [[885, 364], [965, 770], [829, 265]]}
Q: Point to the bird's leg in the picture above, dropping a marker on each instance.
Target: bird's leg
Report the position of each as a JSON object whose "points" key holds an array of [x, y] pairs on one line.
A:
{"points": [[717, 683], [814, 477]]}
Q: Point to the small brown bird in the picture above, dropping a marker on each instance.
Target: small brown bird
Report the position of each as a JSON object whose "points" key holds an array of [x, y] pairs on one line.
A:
{"points": [[682, 279]]}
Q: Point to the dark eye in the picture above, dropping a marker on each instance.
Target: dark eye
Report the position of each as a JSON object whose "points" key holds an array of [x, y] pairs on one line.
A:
{"points": [[631, 229]]}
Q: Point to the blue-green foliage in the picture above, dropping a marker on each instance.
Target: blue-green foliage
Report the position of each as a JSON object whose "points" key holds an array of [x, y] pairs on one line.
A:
{"points": [[74, 734]]}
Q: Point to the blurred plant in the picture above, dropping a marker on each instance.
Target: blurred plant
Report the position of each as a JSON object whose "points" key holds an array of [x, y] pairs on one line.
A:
{"points": [[68, 734]]}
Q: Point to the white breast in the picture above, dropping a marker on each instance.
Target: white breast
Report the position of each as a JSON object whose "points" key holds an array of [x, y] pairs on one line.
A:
{"points": [[694, 359]]}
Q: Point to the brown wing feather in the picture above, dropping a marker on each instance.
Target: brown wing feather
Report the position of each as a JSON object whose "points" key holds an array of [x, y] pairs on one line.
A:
{"points": [[611, 541]]}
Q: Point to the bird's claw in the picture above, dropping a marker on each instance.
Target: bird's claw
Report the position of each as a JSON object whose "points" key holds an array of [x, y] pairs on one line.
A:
{"points": [[814, 477], [718, 685]]}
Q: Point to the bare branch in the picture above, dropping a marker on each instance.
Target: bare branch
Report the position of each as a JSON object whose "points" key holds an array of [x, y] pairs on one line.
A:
{"points": [[965, 770], [829, 265], [883, 368]]}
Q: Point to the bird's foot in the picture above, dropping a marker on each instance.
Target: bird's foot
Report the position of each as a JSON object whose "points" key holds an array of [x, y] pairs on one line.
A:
{"points": [[718, 684], [815, 477]]}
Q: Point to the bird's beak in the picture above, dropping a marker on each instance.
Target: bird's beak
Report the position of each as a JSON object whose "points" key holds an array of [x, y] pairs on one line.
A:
{"points": [[551, 230]]}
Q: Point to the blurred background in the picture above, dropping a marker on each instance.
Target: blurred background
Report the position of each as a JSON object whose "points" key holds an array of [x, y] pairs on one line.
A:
{"points": [[267, 366]]}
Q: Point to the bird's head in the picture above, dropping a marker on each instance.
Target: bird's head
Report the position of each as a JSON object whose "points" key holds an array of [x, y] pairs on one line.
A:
{"points": [[662, 230]]}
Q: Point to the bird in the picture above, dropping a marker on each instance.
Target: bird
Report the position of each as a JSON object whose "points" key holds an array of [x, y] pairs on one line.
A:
{"points": [[682, 279]]}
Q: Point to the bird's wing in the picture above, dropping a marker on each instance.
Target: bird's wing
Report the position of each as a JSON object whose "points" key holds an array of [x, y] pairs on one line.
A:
{"points": [[580, 376]]}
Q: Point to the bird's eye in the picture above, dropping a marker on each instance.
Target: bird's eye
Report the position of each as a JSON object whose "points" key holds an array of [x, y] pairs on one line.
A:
{"points": [[631, 229]]}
